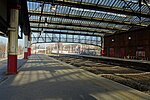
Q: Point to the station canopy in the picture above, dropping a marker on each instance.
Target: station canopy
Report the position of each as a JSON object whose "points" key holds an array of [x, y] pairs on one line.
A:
{"points": [[87, 17]]}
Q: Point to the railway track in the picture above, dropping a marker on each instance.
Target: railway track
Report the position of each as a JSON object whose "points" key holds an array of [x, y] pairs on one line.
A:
{"points": [[139, 65], [132, 76]]}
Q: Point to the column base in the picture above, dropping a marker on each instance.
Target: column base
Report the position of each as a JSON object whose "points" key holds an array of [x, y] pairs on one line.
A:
{"points": [[25, 55], [12, 65]]}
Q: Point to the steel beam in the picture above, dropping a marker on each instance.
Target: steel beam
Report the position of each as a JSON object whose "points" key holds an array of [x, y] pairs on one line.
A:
{"points": [[93, 7], [24, 18], [71, 29], [84, 18], [80, 25], [67, 42], [37, 31]]}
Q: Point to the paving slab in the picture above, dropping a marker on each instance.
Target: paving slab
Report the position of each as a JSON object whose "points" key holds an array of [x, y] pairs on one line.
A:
{"points": [[45, 78]]}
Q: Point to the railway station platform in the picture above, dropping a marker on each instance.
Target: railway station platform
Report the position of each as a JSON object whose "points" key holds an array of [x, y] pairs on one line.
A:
{"points": [[3, 66], [120, 59], [45, 78], [142, 64], [110, 58]]}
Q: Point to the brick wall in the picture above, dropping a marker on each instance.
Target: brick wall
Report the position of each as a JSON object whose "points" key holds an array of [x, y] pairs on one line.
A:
{"points": [[133, 44]]}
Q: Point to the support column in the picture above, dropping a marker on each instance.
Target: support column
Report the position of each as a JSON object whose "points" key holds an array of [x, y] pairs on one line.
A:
{"points": [[26, 47], [35, 49], [102, 50], [29, 51], [29, 48], [58, 47], [45, 48], [13, 41]]}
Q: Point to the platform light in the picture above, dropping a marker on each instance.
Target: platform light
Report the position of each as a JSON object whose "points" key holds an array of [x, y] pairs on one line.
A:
{"points": [[129, 38], [112, 40]]}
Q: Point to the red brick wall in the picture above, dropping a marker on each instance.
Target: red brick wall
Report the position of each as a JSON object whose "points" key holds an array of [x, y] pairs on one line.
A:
{"points": [[123, 47]]}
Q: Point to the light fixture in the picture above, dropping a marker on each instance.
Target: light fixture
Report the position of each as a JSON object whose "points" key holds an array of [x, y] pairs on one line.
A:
{"points": [[129, 38], [112, 40]]}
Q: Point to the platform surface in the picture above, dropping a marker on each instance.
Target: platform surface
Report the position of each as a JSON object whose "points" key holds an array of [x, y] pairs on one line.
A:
{"points": [[44, 78], [3, 66], [111, 58]]}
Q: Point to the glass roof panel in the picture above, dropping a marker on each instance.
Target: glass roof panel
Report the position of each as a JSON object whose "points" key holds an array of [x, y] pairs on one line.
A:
{"points": [[92, 20]]}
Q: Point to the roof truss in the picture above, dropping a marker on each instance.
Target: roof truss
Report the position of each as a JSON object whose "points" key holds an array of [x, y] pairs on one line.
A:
{"points": [[97, 7], [118, 18]]}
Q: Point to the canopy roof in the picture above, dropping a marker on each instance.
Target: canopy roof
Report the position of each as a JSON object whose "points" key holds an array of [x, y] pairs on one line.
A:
{"points": [[88, 17]]}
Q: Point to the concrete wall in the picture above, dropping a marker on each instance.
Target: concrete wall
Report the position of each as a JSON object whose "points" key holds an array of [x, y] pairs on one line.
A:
{"points": [[138, 47]]}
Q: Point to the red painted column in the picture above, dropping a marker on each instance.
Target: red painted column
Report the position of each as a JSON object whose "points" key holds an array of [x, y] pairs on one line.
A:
{"points": [[25, 47], [102, 52], [12, 64], [102, 45], [25, 55], [29, 51], [29, 47], [35, 49], [13, 41]]}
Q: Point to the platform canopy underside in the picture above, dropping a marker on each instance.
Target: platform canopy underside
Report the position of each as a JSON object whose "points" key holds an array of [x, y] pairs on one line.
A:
{"points": [[84, 19]]}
